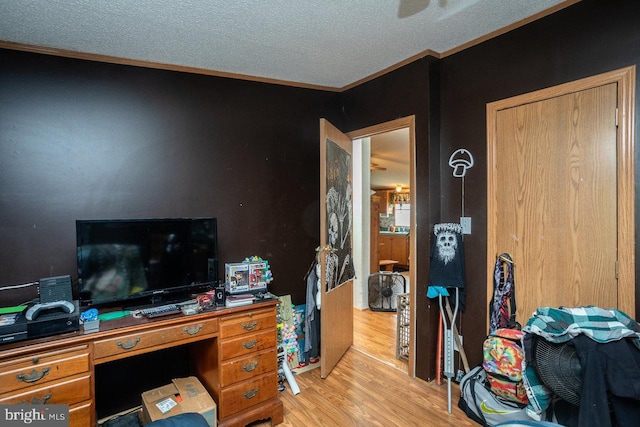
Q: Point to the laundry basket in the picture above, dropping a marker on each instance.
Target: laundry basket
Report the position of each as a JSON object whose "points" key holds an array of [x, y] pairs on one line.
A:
{"points": [[402, 347]]}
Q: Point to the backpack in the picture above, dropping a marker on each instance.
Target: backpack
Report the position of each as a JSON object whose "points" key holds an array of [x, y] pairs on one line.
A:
{"points": [[502, 309], [482, 405], [503, 354]]}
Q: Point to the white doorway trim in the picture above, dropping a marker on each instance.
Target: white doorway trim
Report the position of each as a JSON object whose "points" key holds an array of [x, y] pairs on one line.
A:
{"points": [[361, 219]]}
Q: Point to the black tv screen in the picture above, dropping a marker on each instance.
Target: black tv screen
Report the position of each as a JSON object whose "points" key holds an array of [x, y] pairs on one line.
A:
{"points": [[126, 259]]}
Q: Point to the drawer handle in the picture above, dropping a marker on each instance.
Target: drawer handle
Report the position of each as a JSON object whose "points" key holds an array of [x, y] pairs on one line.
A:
{"points": [[193, 329], [250, 326], [250, 367], [33, 376], [36, 401], [128, 344], [251, 393], [250, 344]]}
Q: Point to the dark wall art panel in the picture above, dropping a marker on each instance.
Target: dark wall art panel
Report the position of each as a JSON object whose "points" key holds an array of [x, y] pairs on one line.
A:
{"points": [[339, 206]]}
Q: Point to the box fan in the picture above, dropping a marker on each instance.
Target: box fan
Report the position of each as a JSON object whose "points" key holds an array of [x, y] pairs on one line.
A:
{"points": [[384, 288], [559, 368]]}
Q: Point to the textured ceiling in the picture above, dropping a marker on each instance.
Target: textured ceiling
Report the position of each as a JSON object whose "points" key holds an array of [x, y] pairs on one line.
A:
{"points": [[323, 43]]}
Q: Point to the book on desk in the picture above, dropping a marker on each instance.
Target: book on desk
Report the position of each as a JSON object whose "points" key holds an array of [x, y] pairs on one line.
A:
{"points": [[239, 300]]}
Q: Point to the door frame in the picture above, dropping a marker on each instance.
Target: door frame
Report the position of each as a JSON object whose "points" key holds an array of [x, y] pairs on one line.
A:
{"points": [[625, 79], [404, 122]]}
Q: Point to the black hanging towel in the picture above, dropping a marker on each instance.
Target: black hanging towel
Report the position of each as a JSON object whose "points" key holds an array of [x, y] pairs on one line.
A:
{"points": [[447, 271], [447, 256]]}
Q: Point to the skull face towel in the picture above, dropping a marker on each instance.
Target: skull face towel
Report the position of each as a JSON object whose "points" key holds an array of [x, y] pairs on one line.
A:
{"points": [[447, 256]]}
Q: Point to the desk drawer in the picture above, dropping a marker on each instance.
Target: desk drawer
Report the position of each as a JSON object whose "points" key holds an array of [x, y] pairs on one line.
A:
{"points": [[246, 345], [249, 393], [80, 416], [247, 322], [72, 390], [141, 342], [243, 369], [20, 373]]}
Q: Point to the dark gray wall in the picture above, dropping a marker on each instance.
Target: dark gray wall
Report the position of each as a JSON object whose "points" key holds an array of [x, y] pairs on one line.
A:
{"points": [[86, 140]]}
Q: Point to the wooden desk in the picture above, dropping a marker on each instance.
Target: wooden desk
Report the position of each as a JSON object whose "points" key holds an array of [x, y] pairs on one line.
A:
{"points": [[235, 357], [387, 264]]}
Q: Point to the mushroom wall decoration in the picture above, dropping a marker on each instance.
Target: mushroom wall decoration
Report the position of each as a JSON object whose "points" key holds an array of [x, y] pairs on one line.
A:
{"points": [[460, 161]]}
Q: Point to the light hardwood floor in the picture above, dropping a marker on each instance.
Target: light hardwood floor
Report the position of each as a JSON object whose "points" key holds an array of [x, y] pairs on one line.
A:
{"points": [[374, 334], [369, 387]]}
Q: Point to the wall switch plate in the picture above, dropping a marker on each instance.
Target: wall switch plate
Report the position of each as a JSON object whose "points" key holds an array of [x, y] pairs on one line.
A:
{"points": [[465, 222]]}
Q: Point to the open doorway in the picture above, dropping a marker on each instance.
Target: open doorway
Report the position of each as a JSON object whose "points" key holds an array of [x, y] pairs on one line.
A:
{"points": [[374, 147]]}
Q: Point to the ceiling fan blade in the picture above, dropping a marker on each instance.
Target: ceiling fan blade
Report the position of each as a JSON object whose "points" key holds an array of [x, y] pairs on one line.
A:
{"points": [[409, 8], [376, 167]]}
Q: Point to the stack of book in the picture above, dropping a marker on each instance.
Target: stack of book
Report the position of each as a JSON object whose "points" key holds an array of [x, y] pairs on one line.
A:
{"points": [[240, 299]]}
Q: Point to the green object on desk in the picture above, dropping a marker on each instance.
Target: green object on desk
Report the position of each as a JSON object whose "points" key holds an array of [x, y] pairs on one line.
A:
{"points": [[113, 315], [14, 309]]}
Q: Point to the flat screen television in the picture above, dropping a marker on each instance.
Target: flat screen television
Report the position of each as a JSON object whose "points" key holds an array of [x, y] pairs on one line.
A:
{"points": [[145, 261]]}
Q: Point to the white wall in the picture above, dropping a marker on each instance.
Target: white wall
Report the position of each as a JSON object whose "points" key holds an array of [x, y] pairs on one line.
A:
{"points": [[361, 220]]}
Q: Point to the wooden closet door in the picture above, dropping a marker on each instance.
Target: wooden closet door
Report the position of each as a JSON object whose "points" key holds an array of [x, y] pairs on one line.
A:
{"points": [[553, 195]]}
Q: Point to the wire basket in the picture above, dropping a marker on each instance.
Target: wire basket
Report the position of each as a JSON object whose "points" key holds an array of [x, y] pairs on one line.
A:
{"points": [[402, 347]]}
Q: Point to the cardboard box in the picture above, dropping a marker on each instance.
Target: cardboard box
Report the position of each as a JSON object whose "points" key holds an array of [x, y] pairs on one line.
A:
{"points": [[181, 396]]}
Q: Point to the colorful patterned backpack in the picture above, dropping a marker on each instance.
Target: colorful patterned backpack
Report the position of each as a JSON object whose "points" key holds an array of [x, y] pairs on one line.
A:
{"points": [[502, 360]]}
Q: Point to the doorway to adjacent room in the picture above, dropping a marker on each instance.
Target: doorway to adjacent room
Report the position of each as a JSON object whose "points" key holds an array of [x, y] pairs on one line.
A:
{"points": [[364, 246]]}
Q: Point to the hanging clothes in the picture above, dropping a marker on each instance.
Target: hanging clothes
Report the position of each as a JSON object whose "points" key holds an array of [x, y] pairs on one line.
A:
{"points": [[502, 308], [312, 315], [610, 382], [447, 260]]}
